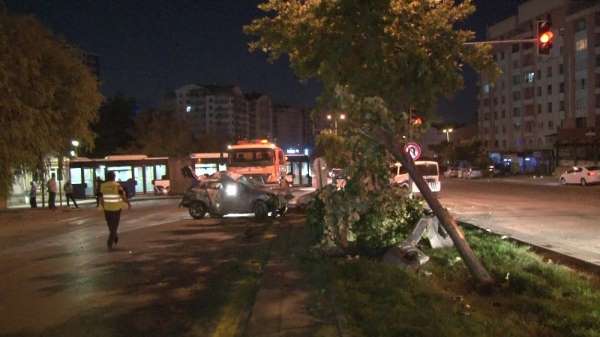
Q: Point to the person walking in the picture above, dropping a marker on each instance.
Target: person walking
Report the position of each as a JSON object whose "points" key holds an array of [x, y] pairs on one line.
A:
{"points": [[112, 198], [33, 195], [97, 184], [68, 187], [52, 189]]}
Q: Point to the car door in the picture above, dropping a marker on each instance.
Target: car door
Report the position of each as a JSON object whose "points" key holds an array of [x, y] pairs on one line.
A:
{"points": [[577, 175]]}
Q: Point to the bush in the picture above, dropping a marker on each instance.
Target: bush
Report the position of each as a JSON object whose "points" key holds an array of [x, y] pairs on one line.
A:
{"points": [[371, 226], [389, 220]]}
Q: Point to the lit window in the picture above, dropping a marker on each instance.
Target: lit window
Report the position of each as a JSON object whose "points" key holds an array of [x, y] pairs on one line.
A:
{"points": [[530, 77], [581, 44]]}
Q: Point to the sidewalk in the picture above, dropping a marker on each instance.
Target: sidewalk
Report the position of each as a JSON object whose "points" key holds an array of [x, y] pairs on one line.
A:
{"points": [[528, 180], [281, 307]]}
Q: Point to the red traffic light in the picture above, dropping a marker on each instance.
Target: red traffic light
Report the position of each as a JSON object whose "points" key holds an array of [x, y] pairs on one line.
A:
{"points": [[416, 121], [545, 37]]}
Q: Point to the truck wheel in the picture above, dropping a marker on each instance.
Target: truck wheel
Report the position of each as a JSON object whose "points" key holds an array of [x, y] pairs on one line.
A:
{"points": [[261, 211], [197, 210]]}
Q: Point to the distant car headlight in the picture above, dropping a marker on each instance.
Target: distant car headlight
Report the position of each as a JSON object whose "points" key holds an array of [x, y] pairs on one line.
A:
{"points": [[231, 190]]}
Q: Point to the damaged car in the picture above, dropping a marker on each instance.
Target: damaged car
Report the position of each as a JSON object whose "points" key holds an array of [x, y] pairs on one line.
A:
{"points": [[226, 193]]}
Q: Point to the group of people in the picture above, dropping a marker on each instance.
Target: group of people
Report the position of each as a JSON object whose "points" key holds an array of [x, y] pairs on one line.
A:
{"points": [[52, 187], [109, 194]]}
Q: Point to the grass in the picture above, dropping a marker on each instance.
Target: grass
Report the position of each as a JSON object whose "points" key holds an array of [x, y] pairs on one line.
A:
{"points": [[532, 298]]}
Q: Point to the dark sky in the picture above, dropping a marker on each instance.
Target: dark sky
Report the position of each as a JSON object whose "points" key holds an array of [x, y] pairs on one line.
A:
{"points": [[147, 47]]}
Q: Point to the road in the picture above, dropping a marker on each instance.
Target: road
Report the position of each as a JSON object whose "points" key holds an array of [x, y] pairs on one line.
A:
{"points": [[169, 276], [565, 219]]}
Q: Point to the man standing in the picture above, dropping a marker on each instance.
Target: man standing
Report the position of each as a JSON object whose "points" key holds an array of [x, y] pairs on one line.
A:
{"points": [[52, 189], [97, 184], [33, 195], [112, 198], [68, 187]]}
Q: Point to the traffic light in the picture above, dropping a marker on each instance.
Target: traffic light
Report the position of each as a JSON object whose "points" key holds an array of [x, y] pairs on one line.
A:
{"points": [[416, 121], [545, 37]]}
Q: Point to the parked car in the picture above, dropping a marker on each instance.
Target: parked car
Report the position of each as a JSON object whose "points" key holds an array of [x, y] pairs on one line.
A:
{"points": [[582, 175], [226, 193], [451, 172], [429, 169], [473, 173]]}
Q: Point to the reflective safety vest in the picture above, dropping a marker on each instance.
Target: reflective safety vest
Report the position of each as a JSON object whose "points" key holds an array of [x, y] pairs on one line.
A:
{"points": [[110, 195]]}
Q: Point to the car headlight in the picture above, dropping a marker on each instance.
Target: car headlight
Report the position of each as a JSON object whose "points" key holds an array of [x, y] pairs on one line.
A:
{"points": [[231, 190]]}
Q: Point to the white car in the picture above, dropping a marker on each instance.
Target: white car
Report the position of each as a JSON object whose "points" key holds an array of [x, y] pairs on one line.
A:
{"points": [[429, 170], [473, 173], [581, 175]]}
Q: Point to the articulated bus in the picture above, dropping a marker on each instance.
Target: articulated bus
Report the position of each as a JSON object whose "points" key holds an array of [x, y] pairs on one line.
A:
{"points": [[259, 160]]}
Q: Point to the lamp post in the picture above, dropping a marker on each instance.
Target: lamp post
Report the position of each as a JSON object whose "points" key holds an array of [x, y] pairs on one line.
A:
{"points": [[448, 132], [335, 119]]}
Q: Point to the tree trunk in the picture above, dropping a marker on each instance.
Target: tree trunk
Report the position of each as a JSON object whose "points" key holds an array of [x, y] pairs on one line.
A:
{"points": [[477, 270]]}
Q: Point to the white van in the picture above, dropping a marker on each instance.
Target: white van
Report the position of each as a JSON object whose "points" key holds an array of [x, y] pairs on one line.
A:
{"points": [[429, 169]]}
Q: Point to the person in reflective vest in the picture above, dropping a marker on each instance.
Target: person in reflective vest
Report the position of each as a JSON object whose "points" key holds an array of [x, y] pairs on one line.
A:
{"points": [[112, 199]]}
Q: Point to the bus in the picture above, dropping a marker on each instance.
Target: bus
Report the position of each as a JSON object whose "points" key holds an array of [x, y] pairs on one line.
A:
{"points": [[260, 160]]}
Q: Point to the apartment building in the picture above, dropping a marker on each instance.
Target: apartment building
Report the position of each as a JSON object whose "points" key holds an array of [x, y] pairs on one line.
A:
{"points": [[260, 115], [216, 110], [522, 114]]}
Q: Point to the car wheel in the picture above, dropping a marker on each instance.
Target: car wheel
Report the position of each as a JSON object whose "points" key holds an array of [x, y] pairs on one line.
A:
{"points": [[583, 182], [261, 211], [197, 210], [563, 181]]}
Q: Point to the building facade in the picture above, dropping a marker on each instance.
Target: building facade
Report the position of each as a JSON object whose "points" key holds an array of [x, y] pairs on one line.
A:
{"points": [[216, 110], [260, 116], [289, 126], [522, 113]]}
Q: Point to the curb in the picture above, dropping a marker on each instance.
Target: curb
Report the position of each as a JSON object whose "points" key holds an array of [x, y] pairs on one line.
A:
{"points": [[559, 258]]}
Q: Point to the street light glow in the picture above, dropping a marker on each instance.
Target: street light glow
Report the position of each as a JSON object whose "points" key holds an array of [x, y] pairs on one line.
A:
{"points": [[188, 108], [73, 154], [75, 143], [328, 117], [342, 116]]}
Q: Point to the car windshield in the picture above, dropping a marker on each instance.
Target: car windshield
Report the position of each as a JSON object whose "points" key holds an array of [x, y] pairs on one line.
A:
{"points": [[251, 157], [593, 168]]}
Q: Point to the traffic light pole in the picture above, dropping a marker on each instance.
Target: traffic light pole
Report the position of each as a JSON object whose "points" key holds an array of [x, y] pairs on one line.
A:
{"points": [[513, 41]]}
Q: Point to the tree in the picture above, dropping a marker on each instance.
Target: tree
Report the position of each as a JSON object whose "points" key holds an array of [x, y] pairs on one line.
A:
{"points": [[47, 96], [165, 132], [114, 126], [408, 53]]}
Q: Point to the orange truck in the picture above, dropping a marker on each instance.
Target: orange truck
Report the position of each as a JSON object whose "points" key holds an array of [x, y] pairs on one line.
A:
{"points": [[259, 160]]}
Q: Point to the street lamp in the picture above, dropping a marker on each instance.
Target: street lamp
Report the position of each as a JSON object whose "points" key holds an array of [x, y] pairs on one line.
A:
{"points": [[448, 132], [341, 117]]}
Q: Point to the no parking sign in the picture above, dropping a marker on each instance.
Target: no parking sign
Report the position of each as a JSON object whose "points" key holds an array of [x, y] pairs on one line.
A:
{"points": [[414, 150]]}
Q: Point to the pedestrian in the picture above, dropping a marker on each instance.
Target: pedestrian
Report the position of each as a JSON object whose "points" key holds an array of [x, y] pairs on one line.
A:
{"points": [[52, 189], [97, 184], [112, 198], [68, 187], [33, 195]]}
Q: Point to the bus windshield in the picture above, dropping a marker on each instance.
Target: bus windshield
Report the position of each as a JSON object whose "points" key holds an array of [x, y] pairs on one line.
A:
{"points": [[251, 157]]}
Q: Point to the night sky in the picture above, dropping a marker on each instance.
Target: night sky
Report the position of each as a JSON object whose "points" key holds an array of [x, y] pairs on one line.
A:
{"points": [[147, 47]]}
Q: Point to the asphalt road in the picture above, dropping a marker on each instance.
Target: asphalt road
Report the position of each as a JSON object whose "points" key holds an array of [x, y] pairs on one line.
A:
{"points": [[565, 219], [169, 275]]}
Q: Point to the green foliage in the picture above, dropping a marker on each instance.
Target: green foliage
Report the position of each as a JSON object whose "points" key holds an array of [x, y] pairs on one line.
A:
{"points": [[165, 132], [407, 52], [549, 296], [388, 222], [533, 298], [47, 96], [114, 126], [370, 225]]}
